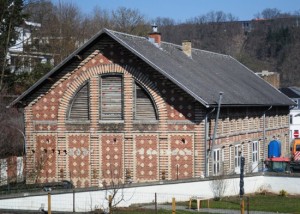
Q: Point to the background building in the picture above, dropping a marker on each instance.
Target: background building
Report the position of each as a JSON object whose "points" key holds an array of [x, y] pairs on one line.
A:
{"points": [[294, 94]]}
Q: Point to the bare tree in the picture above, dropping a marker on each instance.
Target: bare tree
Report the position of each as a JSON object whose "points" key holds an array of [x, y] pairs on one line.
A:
{"points": [[129, 21], [270, 13], [218, 186], [12, 138], [39, 163], [11, 129]]}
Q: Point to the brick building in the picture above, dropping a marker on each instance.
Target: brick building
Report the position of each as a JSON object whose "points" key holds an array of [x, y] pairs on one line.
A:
{"points": [[134, 108]]}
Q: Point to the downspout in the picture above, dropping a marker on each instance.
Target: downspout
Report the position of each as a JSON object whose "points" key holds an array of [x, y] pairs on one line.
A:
{"points": [[215, 129], [264, 135], [205, 141]]}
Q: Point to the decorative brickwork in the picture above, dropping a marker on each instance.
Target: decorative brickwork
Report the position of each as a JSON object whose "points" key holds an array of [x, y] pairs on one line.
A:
{"points": [[97, 151], [146, 158]]}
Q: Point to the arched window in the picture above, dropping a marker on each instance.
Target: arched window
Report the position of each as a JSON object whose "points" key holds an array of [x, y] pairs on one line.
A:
{"points": [[144, 108], [79, 105], [111, 97]]}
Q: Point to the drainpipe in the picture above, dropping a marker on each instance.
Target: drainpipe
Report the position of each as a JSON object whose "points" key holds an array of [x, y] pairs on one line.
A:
{"points": [[215, 128], [206, 171], [264, 135]]}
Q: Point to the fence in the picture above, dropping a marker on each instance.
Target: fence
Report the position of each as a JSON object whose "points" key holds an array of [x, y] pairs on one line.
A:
{"points": [[143, 197], [157, 203]]}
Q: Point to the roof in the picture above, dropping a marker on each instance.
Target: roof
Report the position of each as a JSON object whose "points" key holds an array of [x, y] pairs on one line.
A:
{"points": [[291, 92], [203, 76]]}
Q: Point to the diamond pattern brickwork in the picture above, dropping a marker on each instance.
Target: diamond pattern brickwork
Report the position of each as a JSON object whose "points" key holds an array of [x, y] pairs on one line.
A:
{"points": [[182, 156], [147, 153], [79, 159]]}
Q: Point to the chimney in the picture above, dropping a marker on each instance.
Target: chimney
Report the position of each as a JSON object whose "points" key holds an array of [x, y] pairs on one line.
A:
{"points": [[155, 36], [187, 47]]}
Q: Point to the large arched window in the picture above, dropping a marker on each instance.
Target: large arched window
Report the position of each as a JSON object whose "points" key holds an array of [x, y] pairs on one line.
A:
{"points": [[79, 105], [111, 97], [144, 108]]}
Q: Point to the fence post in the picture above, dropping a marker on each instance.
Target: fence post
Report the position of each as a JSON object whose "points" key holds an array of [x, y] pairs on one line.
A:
{"points": [[173, 206], [248, 204], [49, 203], [73, 200], [242, 205], [110, 204], [155, 203]]}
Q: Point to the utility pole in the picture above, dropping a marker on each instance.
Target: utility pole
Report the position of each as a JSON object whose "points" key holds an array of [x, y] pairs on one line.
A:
{"points": [[242, 184], [215, 130]]}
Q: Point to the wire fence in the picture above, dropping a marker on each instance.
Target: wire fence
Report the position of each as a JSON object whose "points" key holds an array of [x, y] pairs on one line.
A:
{"points": [[138, 202]]}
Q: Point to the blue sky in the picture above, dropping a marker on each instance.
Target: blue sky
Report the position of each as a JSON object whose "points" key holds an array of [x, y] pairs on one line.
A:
{"points": [[181, 10]]}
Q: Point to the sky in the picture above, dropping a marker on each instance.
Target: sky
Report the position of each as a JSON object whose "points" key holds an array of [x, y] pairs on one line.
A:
{"points": [[182, 10]]}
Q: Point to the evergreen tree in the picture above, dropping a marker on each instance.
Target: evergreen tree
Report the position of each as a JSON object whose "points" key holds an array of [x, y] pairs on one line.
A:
{"points": [[11, 16]]}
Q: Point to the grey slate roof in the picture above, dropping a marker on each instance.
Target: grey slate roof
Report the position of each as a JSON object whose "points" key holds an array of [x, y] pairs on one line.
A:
{"points": [[202, 76]]}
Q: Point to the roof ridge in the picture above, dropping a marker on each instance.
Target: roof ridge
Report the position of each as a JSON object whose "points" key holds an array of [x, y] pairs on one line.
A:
{"points": [[164, 42], [196, 49], [125, 34]]}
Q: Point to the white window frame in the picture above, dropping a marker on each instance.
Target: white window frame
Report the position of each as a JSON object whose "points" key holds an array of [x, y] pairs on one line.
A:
{"points": [[230, 157], [216, 161], [237, 158], [255, 155]]}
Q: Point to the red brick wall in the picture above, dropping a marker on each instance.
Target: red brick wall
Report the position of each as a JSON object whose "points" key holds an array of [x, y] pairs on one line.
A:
{"points": [[93, 152]]}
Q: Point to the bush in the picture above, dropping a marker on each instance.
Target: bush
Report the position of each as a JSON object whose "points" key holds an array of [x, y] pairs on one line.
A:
{"points": [[283, 193]]}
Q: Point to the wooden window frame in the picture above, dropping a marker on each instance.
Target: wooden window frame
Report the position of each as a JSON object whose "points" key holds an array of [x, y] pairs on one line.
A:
{"points": [[112, 120], [137, 120]]}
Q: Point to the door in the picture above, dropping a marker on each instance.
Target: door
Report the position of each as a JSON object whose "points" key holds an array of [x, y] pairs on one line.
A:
{"points": [[237, 159], [255, 156]]}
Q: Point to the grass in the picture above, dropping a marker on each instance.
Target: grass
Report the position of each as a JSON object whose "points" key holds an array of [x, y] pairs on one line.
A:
{"points": [[269, 202], [148, 211], [259, 202]]}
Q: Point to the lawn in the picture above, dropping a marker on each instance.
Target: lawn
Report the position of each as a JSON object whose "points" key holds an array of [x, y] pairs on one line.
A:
{"points": [[269, 202]]}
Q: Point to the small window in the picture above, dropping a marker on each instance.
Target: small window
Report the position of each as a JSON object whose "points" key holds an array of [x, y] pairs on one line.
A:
{"points": [[111, 98], [144, 108], [79, 106]]}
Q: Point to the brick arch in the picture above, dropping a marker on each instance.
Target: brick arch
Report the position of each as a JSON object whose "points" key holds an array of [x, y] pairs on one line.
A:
{"points": [[109, 68], [144, 81]]}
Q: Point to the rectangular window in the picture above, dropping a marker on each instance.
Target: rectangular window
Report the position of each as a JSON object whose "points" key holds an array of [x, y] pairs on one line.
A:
{"points": [[255, 156], [237, 160], [254, 151], [216, 161], [111, 98], [230, 156]]}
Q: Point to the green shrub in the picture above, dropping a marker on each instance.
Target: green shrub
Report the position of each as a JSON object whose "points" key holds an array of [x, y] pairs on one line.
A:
{"points": [[283, 193]]}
